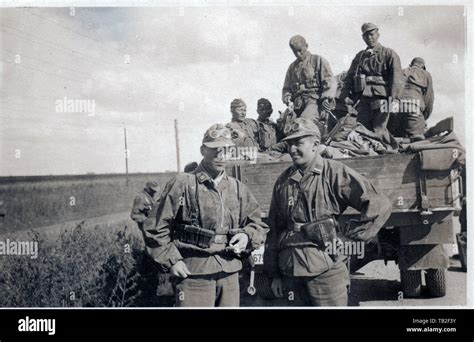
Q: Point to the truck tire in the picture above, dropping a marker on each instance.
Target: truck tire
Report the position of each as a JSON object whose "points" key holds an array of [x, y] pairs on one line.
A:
{"points": [[263, 286], [436, 282], [411, 283]]}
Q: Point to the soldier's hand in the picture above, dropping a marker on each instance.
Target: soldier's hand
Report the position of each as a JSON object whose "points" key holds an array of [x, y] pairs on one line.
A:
{"points": [[287, 99], [353, 136], [239, 242], [277, 287], [348, 101], [180, 270], [328, 104]]}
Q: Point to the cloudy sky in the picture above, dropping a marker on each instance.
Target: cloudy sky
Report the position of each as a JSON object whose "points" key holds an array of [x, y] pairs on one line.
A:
{"points": [[145, 67]]}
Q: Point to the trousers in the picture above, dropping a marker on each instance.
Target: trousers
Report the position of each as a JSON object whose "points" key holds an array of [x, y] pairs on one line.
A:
{"points": [[219, 289], [327, 289]]}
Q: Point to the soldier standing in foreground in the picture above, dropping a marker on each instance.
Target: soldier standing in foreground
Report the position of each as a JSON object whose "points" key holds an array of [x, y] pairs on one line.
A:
{"points": [[307, 200], [374, 79], [204, 221], [309, 82]]}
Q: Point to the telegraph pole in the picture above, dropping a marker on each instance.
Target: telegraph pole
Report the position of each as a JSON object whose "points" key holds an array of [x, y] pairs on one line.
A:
{"points": [[126, 154], [178, 161]]}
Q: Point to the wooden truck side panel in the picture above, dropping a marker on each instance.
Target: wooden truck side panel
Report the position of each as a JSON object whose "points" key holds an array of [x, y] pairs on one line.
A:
{"points": [[399, 177]]}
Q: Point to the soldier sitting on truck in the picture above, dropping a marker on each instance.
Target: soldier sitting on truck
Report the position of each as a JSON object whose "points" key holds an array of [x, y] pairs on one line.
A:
{"points": [[244, 131], [307, 200], [267, 129]]}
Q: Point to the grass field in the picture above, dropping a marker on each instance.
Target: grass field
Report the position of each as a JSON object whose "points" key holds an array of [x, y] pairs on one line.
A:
{"points": [[30, 202]]}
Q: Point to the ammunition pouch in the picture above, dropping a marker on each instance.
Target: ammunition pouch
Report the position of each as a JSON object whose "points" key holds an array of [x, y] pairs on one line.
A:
{"points": [[265, 139], [299, 104], [197, 236], [298, 88], [321, 232], [378, 80], [359, 83]]}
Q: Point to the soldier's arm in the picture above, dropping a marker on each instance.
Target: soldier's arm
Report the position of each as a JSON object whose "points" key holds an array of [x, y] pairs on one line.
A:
{"points": [[429, 98], [137, 214], [396, 80], [158, 237], [275, 222], [358, 192], [327, 79], [287, 84], [250, 221], [347, 84]]}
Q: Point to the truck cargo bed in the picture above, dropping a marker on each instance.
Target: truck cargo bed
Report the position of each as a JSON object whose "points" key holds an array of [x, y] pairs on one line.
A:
{"points": [[398, 176]]}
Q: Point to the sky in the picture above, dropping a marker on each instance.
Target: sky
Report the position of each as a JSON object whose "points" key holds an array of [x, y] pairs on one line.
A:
{"points": [[142, 68]]}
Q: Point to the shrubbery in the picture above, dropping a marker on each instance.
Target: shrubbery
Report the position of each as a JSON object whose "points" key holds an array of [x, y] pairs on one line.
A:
{"points": [[80, 268]]}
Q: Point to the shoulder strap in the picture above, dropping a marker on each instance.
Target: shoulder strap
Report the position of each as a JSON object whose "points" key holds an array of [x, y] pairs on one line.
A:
{"points": [[194, 213]]}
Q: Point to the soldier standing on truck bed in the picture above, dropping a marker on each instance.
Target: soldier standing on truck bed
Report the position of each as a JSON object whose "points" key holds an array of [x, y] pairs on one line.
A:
{"points": [[416, 102], [307, 200], [374, 79], [205, 220], [309, 82]]}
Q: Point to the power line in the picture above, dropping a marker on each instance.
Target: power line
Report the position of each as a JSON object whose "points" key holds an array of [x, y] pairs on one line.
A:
{"points": [[76, 53], [73, 31], [137, 50], [42, 71], [43, 61]]}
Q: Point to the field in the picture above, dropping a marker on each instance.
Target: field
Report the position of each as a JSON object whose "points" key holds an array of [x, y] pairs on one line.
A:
{"points": [[31, 202]]}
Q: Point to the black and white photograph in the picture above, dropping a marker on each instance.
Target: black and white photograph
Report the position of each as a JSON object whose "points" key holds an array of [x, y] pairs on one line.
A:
{"points": [[234, 154]]}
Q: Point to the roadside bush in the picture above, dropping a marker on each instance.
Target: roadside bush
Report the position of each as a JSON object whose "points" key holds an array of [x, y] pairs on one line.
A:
{"points": [[80, 268]]}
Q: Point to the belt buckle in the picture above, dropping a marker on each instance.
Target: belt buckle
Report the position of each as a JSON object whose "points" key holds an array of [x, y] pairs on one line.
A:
{"points": [[220, 239], [297, 227]]}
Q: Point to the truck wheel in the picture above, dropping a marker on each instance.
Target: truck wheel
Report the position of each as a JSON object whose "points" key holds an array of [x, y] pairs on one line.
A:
{"points": [[263, 286], [411, 283], [436, 282]]}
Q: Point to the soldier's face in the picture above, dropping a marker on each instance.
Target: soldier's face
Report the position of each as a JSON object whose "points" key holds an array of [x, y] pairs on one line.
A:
{"points": [[264, 110], [214, 159], [299, 51], [371, 38], [302, 150], [239, 113]]}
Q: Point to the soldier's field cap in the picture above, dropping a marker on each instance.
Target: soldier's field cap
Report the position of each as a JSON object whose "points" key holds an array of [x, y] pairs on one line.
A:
{"points": [[153, 186], [297, 41], [217, 136], [366, 27], [236, 103], [303, 128], [418, 60]]}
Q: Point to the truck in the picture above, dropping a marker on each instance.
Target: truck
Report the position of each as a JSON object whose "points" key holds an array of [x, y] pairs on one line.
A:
{"points": [[425, 188]]}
